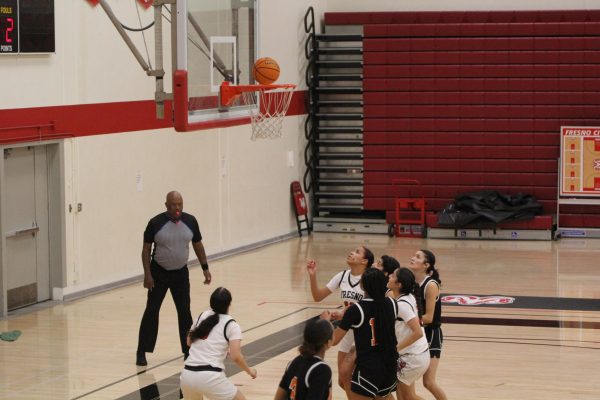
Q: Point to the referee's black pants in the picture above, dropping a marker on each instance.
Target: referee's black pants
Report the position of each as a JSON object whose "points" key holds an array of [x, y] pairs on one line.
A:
{"points": [[178, 281]]}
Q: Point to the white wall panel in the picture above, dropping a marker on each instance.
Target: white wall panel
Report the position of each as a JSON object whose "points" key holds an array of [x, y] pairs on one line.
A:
{"points": [[245, 203]]}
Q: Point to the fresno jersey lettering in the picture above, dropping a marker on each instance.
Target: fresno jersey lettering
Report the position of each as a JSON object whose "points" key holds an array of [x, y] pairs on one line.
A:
{"points": [[349, 285]]}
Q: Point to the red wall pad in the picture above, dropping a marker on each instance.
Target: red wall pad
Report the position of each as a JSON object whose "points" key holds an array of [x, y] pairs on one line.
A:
{"points": [[465, 101], [461, 17]]}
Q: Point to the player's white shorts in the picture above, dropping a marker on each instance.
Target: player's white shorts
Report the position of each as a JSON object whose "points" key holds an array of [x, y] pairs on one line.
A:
{"points": [[412, 366], [347, 342], [210, 384]]}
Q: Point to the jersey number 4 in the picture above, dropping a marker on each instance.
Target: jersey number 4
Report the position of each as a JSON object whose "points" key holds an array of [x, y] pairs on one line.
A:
{"points": [[373, 339], [293, 386]]}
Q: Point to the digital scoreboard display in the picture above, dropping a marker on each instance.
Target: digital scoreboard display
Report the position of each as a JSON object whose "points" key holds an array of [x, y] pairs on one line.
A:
{"points": [[26, 26], [9, 26]]}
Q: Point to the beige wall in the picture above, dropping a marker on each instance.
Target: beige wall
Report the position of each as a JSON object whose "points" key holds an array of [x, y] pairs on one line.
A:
{"points": [[238, 189]]}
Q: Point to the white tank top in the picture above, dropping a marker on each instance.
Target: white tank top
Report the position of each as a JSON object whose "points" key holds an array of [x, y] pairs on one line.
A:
{"points": [[349, 285], [407, 310]]}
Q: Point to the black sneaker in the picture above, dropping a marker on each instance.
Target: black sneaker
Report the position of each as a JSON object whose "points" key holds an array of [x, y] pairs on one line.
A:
{"points": [[140, 359]]}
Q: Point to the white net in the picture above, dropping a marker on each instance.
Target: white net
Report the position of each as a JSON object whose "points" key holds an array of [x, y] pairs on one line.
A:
{"points": [[267, 123]]}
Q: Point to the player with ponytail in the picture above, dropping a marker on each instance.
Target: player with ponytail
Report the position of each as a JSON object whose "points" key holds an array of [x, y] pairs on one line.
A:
{"points": [[372, 320], [307, 376], [422, 264], [413, 360], [214, 335], [348, 282]]}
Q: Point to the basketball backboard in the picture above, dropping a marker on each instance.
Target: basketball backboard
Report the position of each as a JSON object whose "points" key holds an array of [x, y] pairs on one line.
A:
{"points": [[215, 41]]}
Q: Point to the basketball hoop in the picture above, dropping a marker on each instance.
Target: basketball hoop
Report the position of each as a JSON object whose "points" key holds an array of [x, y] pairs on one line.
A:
{"points": [[274, 102]]}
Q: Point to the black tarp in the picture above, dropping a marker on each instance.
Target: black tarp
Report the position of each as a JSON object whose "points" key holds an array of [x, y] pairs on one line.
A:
{"points": [[488, 207]]}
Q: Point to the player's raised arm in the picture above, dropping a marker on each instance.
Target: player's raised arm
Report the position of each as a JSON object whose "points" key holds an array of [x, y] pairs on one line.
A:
{"points": [[318, 293]]}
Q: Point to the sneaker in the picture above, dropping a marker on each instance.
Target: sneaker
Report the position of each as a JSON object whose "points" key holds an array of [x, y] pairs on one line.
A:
{"points": [[140, 359]]}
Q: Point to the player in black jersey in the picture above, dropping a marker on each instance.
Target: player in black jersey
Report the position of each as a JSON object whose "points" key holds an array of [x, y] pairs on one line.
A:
{"points": [[307, 377], [372, 319], [422, 264]]}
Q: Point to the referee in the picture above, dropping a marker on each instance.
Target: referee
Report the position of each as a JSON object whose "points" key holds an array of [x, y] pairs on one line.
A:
{"points": [[165, 268]]}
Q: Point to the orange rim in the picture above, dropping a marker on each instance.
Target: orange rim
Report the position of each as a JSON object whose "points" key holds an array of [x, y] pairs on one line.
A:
{"points": [[230, 92]]}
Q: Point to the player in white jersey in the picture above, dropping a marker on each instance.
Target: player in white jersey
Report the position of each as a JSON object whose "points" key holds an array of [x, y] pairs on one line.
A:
{"points": [[214, 335], [348, 282], [413, 348]]}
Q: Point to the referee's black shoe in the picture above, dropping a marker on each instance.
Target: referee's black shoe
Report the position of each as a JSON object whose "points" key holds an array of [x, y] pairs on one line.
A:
{"points": [[140, 359]]}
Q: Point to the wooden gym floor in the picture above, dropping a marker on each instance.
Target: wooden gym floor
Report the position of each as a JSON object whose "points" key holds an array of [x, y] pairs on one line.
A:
{"points": [[544, 345]]}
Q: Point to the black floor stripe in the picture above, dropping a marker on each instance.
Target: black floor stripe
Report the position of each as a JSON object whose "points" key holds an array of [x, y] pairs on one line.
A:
{"points": [[540, 303], [509, 314], [537, 339], [524, 343], [543, 323]]}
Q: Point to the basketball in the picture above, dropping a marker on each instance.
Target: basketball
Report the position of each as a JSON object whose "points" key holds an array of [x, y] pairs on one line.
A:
{"points": [[265, 71]]}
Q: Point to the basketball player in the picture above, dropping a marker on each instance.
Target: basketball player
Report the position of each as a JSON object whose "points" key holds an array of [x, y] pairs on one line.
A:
{"points": [[422, 264], [348, 282], [387, 265], [307, 377], [412, 345], [214, 335], [372, 320]]}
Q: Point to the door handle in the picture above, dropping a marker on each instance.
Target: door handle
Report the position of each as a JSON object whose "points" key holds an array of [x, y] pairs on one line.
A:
{"points": [[25, 231]]}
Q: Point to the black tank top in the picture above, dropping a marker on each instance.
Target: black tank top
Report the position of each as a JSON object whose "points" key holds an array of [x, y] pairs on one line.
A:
{"points": [[373, 348], [437, 313], [306, 377]]}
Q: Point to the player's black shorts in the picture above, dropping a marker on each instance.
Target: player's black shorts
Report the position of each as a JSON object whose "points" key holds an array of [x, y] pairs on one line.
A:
{"points": [[435, 338], [373, 382]]}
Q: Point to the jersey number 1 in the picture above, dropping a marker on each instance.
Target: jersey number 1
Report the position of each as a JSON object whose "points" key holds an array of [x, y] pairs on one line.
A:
{"points": [[372, 324]]}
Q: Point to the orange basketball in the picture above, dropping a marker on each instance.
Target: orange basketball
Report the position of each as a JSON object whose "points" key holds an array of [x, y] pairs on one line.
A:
{"points": [[265, 71]]}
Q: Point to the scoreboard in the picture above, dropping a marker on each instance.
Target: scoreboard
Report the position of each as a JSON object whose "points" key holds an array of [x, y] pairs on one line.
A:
{"points": [[9, 26], [26, 26]]}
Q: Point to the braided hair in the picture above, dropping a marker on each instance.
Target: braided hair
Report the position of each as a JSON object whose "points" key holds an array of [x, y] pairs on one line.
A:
{"points": [[220, 300], [430, 259], [374, 284]]}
